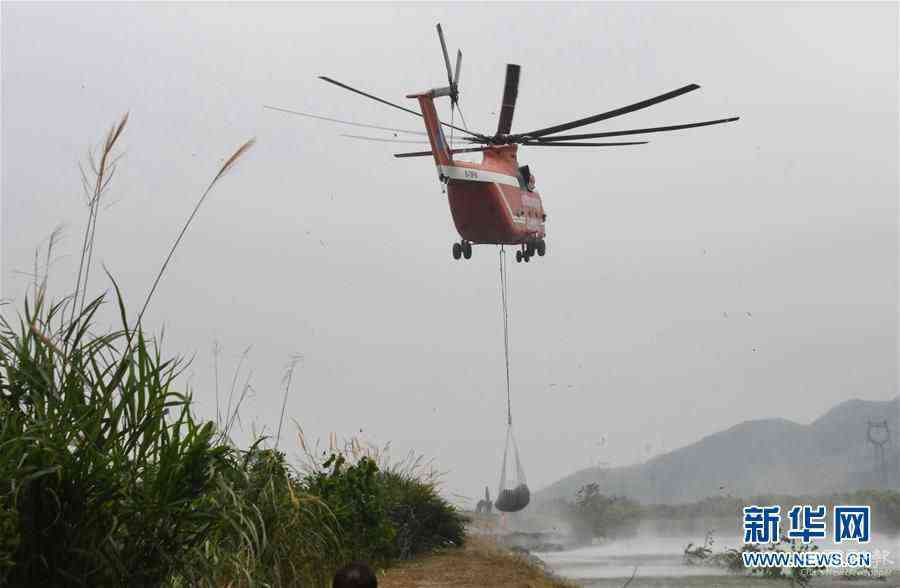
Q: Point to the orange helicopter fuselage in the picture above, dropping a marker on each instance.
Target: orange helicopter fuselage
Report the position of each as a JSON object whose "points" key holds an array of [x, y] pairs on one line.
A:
{"points": [[491, 202]]}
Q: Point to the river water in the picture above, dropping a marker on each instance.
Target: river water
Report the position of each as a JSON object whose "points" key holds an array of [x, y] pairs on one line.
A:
{"points": [[659, 562]]}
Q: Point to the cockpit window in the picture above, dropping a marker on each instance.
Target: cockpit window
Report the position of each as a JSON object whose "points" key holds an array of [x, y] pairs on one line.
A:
{"points": [[524, 177]]}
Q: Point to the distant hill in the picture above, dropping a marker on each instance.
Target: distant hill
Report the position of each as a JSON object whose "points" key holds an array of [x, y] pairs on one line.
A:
{"points": [[770, 456]]}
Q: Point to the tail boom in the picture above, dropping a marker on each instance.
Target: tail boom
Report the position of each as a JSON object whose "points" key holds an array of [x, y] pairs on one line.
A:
{"points": [[439, 147]]}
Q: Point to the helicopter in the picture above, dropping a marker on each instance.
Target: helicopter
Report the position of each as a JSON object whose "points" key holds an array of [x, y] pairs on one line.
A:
{"points": [[496, 202]]}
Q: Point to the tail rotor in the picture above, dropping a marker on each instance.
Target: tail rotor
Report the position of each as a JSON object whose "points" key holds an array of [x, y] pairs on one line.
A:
{"points": [[452, 90]]}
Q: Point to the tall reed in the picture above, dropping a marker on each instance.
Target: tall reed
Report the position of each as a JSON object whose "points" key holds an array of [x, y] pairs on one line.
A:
{"points": [[108, 478], [104, 471]]}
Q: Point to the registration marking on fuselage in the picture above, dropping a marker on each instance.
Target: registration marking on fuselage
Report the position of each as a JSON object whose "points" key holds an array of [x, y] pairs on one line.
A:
{"points": [[477, 175]]}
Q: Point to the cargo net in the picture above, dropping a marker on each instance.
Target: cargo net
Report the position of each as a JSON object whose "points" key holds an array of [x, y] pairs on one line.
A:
{"points": [[513, 494]]}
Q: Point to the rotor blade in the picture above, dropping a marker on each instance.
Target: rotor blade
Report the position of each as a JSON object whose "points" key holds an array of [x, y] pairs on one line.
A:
{"points": [[609, 114], [388, 140], [361, 93], [562, 144], [463, 118], [458, 67], [424, 153], [344, 122], [640, 131], [446, 56], [508, 103], [377, 99]]}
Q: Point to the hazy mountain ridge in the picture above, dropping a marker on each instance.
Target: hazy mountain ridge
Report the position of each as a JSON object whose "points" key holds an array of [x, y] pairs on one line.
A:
{"points": [[768, 456]]}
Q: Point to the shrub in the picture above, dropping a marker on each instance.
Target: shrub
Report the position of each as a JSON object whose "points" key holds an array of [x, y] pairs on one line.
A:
{"points": [[269, 533], [356, 496], [422, 519]]}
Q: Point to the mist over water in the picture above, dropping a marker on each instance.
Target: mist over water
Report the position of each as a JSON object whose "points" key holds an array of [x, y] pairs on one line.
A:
{"points": [[653, 556], [659, 554]]}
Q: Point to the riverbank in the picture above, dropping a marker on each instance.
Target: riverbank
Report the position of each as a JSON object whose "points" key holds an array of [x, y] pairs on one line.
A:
{"points": [[483, 562]]}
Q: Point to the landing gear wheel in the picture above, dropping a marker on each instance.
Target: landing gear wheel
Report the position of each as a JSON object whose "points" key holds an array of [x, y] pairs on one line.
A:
{"points": [[457, 251], [541, 248], [518, 256], [467, 249], [527, 258], [529, 249]]}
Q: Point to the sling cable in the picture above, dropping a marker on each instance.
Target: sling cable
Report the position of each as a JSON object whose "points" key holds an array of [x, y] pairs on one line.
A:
{"points": [[513, 494]]}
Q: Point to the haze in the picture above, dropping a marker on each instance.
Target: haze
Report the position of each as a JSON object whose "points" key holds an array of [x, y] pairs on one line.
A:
{"points": [[715, 275]]}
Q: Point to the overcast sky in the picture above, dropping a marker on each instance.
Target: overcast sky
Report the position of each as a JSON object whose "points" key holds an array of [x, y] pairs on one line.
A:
{"points": [[715, 275]]}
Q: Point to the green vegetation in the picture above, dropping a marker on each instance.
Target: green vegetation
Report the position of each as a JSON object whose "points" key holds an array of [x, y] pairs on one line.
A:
{"points": [[422, 520], [266, 531], [100, 459], [395, 514], [108, 478], [283, 528], [355, 494]]}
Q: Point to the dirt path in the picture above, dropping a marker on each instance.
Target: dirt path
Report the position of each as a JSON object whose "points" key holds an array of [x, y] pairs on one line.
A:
{"points": [[479, 564]]}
